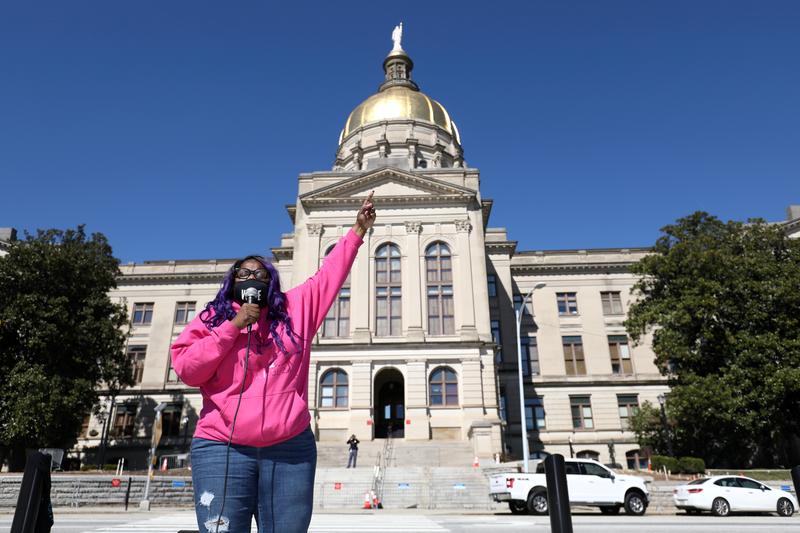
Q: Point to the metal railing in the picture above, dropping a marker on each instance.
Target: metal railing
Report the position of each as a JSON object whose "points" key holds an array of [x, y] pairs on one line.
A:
{"points": [[382, 461]]}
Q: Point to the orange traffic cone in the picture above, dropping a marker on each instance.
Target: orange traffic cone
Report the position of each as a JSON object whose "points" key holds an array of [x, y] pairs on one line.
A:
{"points": [[367, 504], [475, 462]]}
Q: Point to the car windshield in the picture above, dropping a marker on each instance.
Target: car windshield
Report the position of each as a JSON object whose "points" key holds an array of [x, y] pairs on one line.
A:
{"points": [[698, 481]]}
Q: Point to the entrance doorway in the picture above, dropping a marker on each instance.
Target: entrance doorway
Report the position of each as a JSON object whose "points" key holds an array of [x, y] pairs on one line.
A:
{"points": [[389, 404]]}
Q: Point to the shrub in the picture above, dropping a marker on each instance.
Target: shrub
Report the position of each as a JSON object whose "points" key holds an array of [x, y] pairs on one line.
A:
{"points": [[659, 462], [691, 465]]}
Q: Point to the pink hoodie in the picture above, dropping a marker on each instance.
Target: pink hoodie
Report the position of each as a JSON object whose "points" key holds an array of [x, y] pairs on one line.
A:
{"points": [[274, 405]]}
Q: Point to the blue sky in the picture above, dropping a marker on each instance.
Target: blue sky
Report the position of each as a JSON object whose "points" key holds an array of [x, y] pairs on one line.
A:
{"points": [[593, 123]]}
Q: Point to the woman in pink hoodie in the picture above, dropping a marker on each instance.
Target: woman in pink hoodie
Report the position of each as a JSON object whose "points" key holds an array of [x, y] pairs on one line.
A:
{"points": [[253, 452]]}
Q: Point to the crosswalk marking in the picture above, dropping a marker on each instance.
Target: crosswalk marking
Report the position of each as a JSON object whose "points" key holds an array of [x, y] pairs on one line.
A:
{"points": [[320, 523]]}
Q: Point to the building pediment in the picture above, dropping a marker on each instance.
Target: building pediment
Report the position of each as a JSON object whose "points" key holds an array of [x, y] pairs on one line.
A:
{"points": [[391, 186]]}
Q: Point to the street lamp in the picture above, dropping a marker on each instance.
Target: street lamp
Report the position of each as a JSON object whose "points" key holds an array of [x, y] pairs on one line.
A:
{"points": [[662, 400], [522, 422]]}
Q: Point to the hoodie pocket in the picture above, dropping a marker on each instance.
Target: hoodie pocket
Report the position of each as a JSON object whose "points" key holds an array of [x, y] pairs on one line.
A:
{"points": [[268, 418]]}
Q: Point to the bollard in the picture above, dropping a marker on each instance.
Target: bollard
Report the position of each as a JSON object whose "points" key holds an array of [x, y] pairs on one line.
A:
{"points": [[33, 514], [796, 479], [557, 494], [128, 492]]}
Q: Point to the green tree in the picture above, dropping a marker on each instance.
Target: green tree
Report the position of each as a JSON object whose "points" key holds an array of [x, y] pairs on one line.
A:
{"points": [[647, 425], [722, 302], [60, 337]]}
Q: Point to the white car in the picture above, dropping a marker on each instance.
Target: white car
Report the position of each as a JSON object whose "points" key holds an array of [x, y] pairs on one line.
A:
{"points": [[588, 483], [723, 495]]}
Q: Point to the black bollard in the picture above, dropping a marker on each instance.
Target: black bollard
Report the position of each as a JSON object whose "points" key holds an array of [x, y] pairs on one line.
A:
{"points": [[128, 493], [796, 479], [33, 504], [557, 494]]}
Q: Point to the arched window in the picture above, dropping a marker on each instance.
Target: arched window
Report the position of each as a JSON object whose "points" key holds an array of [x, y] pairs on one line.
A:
{"points": [[333, 389], [588, 454], [636, 460], [443, 387], [387, 291], [439, 268], [337, 321]]}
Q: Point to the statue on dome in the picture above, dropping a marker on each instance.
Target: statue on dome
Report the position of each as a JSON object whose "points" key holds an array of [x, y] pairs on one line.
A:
{"points": [[397, 36]]}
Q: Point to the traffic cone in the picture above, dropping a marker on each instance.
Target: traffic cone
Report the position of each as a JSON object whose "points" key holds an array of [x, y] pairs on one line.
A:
{"points": [[476, 463], [367, 504]]}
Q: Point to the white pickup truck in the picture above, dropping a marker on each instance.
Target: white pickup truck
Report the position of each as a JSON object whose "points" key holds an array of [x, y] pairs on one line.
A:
{"points": [[588, 483]]}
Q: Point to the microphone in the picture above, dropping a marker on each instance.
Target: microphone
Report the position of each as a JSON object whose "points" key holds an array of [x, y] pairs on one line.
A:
{"points": [[251, 297]]}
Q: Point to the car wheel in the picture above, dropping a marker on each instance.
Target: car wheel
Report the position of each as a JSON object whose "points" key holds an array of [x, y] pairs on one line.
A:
{"points": [[721, 507], [537, 503], [609, 509], [785, 507], [634, 503], [518, 507]]}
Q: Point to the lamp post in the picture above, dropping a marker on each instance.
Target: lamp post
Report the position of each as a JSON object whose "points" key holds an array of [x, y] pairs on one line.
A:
{"points": [[522, 422], [662, 400]]}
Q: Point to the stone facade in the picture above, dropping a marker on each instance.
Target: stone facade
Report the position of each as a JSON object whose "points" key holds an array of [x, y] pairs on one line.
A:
{"points": [[422, 342]]}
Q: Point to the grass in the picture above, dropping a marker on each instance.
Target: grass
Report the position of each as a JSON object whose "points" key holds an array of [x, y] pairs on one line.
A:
{"points": [[761, 475]]}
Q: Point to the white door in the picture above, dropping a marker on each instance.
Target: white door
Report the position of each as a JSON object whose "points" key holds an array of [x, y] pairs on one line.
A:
{"points": [[757, 496], [576, 484], [729, 489], [598, 484]]}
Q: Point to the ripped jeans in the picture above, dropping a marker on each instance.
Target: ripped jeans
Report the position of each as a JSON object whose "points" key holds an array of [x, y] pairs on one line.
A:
{"points": [[274, 483]]}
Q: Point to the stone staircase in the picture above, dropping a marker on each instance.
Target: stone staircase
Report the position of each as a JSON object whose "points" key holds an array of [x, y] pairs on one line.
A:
{"points": [[405, 453], [420, 474]]}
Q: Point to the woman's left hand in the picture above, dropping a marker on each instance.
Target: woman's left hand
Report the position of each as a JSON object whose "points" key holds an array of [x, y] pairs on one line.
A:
{"points": [[366, 216]]}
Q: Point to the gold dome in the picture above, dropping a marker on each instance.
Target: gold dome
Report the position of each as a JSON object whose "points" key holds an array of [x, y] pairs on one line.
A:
{"points": [[398, 102]]}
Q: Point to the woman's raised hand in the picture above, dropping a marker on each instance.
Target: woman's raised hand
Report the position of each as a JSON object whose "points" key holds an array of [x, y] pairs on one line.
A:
{"points": [[366, 216]]}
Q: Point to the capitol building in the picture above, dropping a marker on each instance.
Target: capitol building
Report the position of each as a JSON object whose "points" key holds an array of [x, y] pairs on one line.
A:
{"points": [[421, 343]]}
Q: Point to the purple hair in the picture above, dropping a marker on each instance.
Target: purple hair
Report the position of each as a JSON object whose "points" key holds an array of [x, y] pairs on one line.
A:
{"points": [[276, 303]]}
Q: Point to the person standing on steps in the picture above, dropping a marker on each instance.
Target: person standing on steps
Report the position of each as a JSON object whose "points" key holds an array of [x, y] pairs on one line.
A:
{"points": [[353, 443]]}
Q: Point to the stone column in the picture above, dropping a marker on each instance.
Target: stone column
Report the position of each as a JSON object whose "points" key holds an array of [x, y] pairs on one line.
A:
{"points": [[412, 301], [361, 399], [314, 236], [465, 299], [417, 401], [361, 296]]}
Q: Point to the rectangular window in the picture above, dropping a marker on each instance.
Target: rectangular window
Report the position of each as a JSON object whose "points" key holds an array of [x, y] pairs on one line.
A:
{"points": [[496, 338], [620, 354], [528, 311], [581, 412], [612, 302], [503, 402], [440, 310], [573, 356], [628, 406], [491, 280], [137, 355], [337, 321], [534, 414], [172, 376], [567, 303], [142, 314], [124, 417], [171, 420], [388, 311], [529, 352], [184, 312]]}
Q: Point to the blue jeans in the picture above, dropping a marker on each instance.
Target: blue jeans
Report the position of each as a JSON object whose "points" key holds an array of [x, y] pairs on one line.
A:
{"points": [[274, 483]]}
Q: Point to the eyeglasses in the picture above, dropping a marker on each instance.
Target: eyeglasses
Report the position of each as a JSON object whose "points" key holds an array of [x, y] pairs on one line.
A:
{"points": [[244, 273]]}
